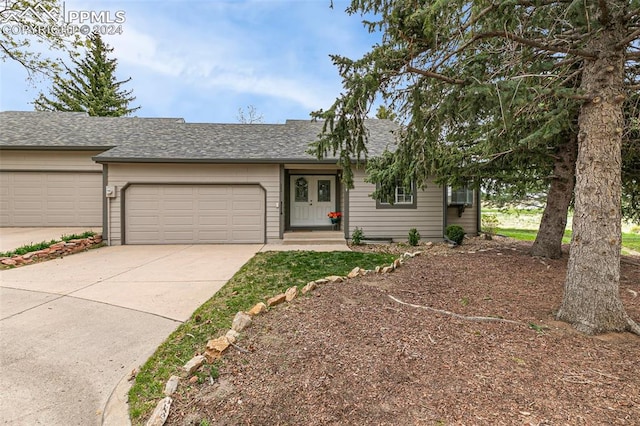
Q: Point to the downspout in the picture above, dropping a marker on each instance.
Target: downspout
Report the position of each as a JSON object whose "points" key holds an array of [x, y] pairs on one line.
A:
{"points": [[345, 215], [479, 212], [106, 204], [444, 211]]}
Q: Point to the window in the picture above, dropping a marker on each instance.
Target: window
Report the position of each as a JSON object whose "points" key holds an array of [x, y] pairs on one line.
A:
{"points": [[462, 196], [302, 190], [324, 190], [403, 198]]}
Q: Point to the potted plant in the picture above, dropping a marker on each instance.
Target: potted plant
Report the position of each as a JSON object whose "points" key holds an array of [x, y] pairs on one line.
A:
{"points": [[335, 217]]}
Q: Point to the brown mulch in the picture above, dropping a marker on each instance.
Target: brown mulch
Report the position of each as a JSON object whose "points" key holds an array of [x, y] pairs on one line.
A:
{"points": [[349, 354]]}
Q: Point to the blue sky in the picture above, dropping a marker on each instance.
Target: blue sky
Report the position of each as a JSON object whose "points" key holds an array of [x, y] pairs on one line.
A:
{"points": [[203, 60]]}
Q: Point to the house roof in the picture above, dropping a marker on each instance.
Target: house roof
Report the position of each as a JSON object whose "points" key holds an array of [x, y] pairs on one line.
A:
{"points": [[127, 139], [73, 130]]}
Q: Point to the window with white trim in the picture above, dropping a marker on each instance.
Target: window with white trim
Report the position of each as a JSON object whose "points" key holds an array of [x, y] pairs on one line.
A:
{"points": [[403, 198]]}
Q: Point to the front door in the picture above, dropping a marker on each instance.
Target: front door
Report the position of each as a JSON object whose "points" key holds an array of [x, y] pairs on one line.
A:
{"points": [[312, 198]]}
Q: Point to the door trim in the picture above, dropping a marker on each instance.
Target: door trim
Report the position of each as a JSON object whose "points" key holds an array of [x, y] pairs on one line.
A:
{"points": [[288, 204]]}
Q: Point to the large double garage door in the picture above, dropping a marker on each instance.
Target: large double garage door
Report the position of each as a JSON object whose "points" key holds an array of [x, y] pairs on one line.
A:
{"points": [[50, 199], [193, 214]]}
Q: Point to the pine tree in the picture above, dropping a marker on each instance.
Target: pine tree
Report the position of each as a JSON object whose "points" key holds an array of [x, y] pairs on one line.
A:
{"points": [[500, 87], [91, 86]]}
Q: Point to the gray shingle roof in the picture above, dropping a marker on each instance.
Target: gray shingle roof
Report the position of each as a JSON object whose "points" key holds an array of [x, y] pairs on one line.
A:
{"points": [[171, 139]]}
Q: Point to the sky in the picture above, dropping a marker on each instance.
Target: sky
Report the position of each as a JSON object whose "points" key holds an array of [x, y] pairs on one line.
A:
{"points": [[204, 60]]}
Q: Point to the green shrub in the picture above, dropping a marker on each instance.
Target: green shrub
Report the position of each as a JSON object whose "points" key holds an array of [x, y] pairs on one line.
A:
{"points": [[455, 233], [357, 236], [414, 237]]}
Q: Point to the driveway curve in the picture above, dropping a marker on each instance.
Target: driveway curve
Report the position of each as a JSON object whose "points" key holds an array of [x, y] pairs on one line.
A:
{"points": [[72, 328]]}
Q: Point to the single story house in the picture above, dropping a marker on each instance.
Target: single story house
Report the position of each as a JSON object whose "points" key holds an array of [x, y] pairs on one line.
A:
{"points": [[165, 181]]}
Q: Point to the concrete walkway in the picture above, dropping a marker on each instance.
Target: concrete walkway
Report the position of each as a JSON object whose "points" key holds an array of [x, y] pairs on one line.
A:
{"points": [[71, 329]]}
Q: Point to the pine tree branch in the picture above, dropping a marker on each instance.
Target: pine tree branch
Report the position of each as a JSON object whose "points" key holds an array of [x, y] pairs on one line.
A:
{"points": [[531, 43], [622, 43], [435, 75], [453, 314]]}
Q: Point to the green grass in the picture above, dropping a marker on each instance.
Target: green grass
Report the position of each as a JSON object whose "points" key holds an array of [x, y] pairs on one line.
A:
{"points": [[630, 241], [266, 274], [28, 248]]}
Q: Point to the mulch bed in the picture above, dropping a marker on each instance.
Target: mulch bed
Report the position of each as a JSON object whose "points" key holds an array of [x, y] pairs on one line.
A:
{"points": [[349, 354]]}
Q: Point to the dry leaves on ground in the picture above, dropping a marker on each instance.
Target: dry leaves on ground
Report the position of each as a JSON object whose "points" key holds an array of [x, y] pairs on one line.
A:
{"points": [[349, 354]]}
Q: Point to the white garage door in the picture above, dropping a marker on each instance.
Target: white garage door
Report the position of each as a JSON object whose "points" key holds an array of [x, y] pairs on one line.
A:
{"points": [[50, 199], [194, 214]]}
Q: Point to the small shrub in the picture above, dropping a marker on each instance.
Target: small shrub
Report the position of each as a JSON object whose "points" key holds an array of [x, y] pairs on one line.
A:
{"points": [[414, 237], [490, 224], [455, 233], [357, 236]]}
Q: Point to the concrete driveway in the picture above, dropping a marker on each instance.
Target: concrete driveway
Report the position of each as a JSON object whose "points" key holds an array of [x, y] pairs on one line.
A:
{"points": [[72, 328]]}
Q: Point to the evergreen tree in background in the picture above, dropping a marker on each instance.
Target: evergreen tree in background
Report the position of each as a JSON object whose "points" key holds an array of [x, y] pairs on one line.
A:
{"points": [[91, 86]]}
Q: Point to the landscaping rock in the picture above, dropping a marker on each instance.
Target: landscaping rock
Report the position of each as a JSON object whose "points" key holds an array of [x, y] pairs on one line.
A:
{"points": [[354, 272], [172, 385], [241, 321], [309, 287], [291, 293], [8, 262], [215, 348], [193, 364], [333, 279], [161, 412], [387, 269], [259, 308], [322, 280], [276, 300], [232, 336], [397, 263], [377, 270]]}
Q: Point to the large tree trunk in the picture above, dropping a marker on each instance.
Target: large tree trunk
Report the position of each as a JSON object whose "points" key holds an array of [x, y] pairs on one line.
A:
{"points": [[591, 298], [548, 242]]}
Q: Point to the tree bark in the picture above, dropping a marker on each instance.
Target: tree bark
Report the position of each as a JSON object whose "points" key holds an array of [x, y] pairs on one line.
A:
{"points": [[591, 299], [548, 242]]}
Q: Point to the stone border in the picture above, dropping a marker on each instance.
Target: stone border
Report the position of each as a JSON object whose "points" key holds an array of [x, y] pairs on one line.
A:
{"points": [[216, 347], [54, 251]]}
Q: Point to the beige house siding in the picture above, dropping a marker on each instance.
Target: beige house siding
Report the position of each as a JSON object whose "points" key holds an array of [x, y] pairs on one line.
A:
{"points": [[394, 223], [267, 176], [469, 218], [32, 160]]}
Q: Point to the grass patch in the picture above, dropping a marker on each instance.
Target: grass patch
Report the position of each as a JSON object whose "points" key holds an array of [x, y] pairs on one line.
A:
{"points": [[87, 234], [28, 248], [630, 240], [266, 274]]}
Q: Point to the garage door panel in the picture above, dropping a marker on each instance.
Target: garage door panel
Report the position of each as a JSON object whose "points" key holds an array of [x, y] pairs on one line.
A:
{"points": [[50, 199], [186, 214]]}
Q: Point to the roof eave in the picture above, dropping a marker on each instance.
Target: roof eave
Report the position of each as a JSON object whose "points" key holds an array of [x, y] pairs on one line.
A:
{"points": [[104, 160]]}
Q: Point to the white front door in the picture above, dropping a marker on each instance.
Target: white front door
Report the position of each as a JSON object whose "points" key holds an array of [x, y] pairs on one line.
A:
{"points": [[312, 198]]}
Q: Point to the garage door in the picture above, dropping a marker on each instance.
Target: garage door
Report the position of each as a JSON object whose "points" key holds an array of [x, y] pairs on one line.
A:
{"points": [[194, 214], [50, 199]]}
